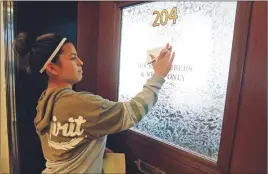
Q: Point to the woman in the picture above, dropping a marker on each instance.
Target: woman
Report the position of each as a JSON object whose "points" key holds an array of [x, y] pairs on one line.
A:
{"points": [[73, 126]]}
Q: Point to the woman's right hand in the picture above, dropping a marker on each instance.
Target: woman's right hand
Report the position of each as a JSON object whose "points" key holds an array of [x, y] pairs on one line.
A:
{"points": [[163, 63]]}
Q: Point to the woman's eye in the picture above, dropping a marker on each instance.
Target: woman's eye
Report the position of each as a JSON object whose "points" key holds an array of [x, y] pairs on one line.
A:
{"points": [[73, 58]]}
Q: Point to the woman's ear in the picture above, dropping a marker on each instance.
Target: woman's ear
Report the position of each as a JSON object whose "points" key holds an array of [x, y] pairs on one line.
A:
{"points": [[52, 69]]}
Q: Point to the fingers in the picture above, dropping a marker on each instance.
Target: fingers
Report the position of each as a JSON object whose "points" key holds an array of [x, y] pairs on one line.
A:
{"points": [[165, 51], [108, 150], [170, 51], [172, 58], [167, 46], [162, 53]]}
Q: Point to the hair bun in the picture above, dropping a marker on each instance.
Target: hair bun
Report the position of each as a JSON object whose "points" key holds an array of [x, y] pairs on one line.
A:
{"points": [[23, 44]]}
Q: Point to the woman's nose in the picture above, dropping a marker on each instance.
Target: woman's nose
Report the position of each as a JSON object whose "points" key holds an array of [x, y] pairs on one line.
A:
{"points": [[80, 61]]}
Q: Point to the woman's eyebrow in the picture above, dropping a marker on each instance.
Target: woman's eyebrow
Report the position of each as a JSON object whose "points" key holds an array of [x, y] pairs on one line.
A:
{"points": [[73, 54]]}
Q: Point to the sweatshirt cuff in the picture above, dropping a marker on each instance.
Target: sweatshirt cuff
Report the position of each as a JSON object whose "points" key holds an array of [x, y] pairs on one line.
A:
{"points": [[157, 79]]}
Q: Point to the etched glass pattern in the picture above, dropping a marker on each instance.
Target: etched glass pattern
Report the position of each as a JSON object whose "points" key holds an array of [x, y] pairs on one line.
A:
{"points": [[189, 111]]}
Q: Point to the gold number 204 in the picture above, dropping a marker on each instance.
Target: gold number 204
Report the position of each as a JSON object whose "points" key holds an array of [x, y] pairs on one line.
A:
{"points": [[168, 16]]}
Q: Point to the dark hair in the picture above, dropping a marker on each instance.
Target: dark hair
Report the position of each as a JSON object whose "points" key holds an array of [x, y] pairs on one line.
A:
{"points": [[34, 52]]}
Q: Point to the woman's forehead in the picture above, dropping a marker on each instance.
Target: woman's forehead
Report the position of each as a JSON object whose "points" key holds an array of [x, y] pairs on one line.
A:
{"points": [[68, 49]]}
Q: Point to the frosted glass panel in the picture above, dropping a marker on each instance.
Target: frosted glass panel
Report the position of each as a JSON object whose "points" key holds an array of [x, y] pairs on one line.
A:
{"points": [[190, 108]]}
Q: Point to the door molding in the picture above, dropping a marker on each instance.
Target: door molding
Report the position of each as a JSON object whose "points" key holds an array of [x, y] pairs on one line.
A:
{"points": [[10, 65], [137, 146]]}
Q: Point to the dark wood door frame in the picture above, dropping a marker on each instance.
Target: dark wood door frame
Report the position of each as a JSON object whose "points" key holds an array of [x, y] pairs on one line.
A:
{"points": [[238, 56], [100, 40], [9, 16], [250, 146], [106, 84], [108, 55]]}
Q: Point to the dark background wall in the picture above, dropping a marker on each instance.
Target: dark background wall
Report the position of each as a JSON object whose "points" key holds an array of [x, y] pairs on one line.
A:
{"points": [[43, 17], [37, 18]]}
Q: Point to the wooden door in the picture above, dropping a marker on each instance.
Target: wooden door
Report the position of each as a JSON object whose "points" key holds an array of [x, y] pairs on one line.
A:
{"points": [[100, 47]]}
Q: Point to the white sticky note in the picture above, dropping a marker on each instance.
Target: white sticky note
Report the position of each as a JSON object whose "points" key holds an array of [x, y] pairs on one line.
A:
{"points": [[154, 51]]}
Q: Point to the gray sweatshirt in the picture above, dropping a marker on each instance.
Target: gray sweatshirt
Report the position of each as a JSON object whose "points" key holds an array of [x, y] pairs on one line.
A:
{"points": [[73, 126]]}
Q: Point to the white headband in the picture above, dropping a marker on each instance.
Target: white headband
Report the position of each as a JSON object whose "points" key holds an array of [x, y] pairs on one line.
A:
{"points": [[52, 55]]}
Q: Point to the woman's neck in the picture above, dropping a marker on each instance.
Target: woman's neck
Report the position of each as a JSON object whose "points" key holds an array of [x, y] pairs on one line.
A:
{"points": [[53, 85]]}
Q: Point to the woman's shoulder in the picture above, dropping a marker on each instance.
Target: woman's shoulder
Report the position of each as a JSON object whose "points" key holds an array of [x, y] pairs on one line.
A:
{"points": [[82, 96]]}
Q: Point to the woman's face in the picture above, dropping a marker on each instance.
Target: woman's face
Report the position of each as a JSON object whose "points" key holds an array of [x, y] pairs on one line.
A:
{"points": [[69, 69]]}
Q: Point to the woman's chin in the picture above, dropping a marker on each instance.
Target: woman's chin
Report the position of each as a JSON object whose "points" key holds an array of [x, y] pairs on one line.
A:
{"points": [[80, 78], [76, 80]]}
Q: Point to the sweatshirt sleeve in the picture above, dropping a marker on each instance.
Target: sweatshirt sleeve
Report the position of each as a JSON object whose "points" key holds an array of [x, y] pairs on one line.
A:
{"points": [[105, 117]]}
